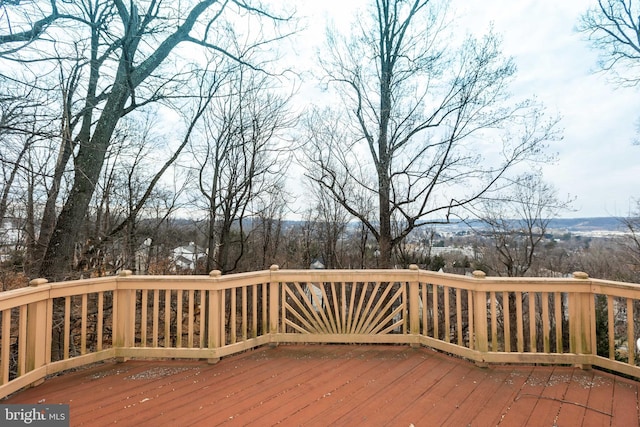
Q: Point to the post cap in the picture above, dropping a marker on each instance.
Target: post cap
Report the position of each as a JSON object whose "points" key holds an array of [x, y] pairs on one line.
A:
{"points": [[215, 273], [125, 273], [38, 282], [274, 267], [479, 274], [414, 267], [580, 275]]}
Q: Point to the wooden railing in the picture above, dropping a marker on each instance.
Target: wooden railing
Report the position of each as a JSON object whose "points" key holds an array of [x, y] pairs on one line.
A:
{"points": [[50, 327]]}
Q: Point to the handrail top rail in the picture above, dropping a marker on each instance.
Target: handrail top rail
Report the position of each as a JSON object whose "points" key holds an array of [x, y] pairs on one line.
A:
{"points": [[489, 283]]}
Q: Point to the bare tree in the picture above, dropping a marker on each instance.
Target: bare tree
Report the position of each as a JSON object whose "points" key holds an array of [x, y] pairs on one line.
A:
{"points": [[238, 158], [631, 242], [267, 229], [613, 28], [430, 120], [331, 220], [23, 125], [517, 221], [128, 185], [129, 53]]}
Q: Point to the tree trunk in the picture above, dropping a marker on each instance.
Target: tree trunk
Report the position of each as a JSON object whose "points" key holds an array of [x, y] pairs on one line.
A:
{"points": [[88, 164]]}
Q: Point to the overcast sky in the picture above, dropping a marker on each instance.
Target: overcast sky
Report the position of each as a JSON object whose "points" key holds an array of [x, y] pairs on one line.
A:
{"points": [[597, 161]]}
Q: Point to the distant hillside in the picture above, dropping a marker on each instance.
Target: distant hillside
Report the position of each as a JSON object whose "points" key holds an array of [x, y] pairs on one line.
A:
{"points": [[571, 225], [587, 224]]}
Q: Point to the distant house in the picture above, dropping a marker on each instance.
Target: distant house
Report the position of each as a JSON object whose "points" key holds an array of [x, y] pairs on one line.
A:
{"points": [[142, 256], [313, 290], [186, 257]]}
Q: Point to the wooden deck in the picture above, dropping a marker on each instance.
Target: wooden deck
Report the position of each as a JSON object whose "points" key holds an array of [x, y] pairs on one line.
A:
{"points": [[320, 385]]}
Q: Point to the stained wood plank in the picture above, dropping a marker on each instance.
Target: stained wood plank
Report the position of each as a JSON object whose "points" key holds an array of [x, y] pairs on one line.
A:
{"points": [[452, 402], [600, 401], [283, 377], [364, 388], [337, 384], [548, 406], [400, 398], [625, 409], [503, 397], [340, 389], [574, 413], [298, 394], [525, 402], [487, 393]]}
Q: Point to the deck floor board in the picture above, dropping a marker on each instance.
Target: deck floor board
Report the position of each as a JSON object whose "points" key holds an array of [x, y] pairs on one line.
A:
{"points": [[337, 385]]}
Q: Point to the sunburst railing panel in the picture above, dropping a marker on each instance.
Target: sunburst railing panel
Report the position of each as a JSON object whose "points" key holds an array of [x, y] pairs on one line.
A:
{"points": [[363, 308]]}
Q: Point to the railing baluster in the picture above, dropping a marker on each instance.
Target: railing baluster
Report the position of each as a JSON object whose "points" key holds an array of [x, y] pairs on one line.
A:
{"points": [[519, 322], [494, 322], [265, 307], [167, 318], [6, 345], [244, 313], [506, 321], [425, 306], [254, 311], [83, 326], [352, 302], [191, 313], [143, 318], [343, 307], [470, 316], [156, 318], [610, 328], [100, 321], [546, 329], [459, 315], [22, 341], [447, 314], [67, 326], [533, 337], [557, 305], [404, 314], [631, 342], [436, 319], [202, 317], [232, 317], [335, 318], [179, 319], [592, 319], [223, 317]]}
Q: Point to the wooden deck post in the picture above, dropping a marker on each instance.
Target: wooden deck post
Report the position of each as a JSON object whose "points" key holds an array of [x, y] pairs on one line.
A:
{"points": [[215, 321], [480, 318], [38, 334], [414, 306], [124, 325], [274, 306], [581, 306]]}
